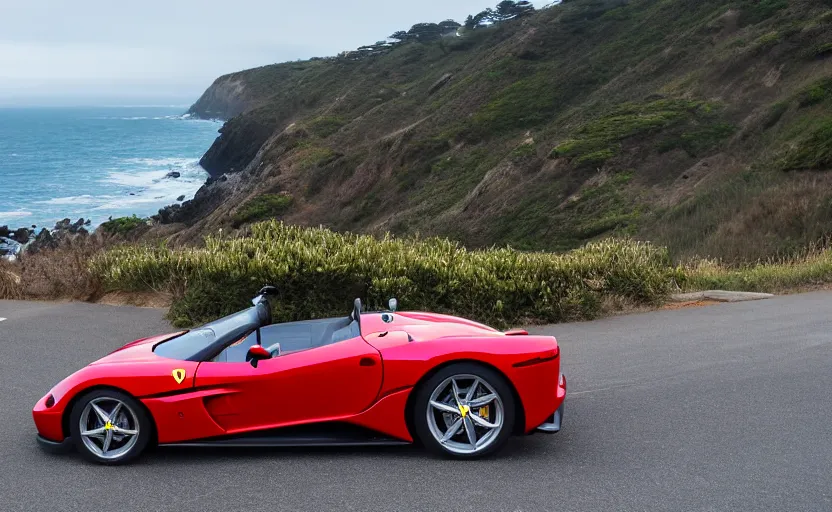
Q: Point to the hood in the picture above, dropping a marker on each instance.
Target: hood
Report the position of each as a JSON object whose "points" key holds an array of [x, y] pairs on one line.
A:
{"points": [[136, 351]]}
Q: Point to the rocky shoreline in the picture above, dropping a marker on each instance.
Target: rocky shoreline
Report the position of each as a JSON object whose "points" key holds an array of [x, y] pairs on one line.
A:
{"points": [[14, 242]]}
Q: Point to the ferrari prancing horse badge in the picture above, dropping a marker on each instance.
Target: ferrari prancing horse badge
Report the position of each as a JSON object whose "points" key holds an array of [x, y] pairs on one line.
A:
{"points": [[178, 375]]}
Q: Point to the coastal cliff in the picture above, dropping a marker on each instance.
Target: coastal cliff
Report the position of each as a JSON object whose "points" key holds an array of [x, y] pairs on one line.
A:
{"points": [[702, 125], [227, 97]]}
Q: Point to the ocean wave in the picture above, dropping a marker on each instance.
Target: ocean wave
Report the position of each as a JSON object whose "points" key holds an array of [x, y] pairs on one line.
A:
{"points": [[141, 184], [73, 200], [176, 117], [15, 215], [145, 106], [147, 182], [160, 162]]}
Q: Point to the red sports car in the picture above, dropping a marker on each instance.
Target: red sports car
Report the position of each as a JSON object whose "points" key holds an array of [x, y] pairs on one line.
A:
{"points": [[458, 387]]}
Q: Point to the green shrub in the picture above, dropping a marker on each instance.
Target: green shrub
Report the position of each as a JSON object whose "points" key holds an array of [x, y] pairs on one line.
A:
{"points": [[699, 141], [324, 126], [311, 156], [822, 50], [816, 93], [523, 152], [812, 153], [767, 40], [775, 112], [761, 10], [122, 225], [526, 103], [263, 207], [600, 139], [319, 272], [598, 157]]}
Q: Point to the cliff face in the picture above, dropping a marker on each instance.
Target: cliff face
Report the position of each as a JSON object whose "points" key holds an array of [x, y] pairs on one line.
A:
{"points": [[705, 125], [226, 98]]}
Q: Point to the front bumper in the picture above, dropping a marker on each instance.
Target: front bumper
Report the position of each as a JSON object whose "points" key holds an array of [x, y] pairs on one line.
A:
{"points": [[48, 416], [55, 446]]}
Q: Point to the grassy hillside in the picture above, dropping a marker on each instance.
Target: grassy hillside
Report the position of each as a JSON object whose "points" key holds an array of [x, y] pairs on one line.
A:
{"points": [[702, 125]]}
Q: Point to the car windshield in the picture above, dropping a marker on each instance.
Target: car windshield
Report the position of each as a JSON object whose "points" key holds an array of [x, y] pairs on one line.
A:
{"points": [[204, 342]]}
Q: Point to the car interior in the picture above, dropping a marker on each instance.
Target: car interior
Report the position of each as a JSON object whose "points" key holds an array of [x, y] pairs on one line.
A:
{"points": [[283, 339]]}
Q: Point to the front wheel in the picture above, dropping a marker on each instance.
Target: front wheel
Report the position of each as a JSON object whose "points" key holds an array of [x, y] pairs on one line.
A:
{"points": [[109, 427], [464, 411]]}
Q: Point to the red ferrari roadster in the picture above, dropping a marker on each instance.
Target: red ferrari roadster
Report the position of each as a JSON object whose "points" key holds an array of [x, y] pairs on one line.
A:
{"points": [[457, 387]]}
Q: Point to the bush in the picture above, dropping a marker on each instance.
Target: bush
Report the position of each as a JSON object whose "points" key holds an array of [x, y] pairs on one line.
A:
{"points": [[263, 207], [319, 272], [600, 139], [774, 114], [699, 141], [526, 103], [818, 92], [122, 225], [822, 50], [324, 126], [812, 153], [761, 10]]}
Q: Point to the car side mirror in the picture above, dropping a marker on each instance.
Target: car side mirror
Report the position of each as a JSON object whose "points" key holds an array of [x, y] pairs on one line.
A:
{"points": [[256, 354]]}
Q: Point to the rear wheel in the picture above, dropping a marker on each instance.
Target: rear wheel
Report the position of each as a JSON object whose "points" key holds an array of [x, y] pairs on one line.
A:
{"points": [[109, 427], [464, 411]]}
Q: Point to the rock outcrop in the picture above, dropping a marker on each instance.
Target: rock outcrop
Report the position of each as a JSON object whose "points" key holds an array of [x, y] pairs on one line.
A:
{"points": [[227, 97]]}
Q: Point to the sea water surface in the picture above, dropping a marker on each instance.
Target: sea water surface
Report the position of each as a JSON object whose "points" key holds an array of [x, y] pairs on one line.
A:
{"points": [[97, 162]]}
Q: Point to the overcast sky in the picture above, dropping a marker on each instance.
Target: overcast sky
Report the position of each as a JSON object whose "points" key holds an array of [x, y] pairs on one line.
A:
{"points": [[111, 51]]}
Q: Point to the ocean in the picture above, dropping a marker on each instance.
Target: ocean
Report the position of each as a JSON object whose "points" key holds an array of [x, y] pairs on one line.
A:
{"points": [[97, 162]]}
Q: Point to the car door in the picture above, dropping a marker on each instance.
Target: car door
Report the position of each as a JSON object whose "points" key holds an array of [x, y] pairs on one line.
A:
{"points": [[318, 384]]}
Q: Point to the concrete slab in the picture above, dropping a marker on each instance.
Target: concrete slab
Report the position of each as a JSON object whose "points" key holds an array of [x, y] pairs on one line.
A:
{"points": [[720, 296]]}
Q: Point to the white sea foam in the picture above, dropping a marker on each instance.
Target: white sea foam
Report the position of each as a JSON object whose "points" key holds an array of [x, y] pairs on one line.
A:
{"points": [[176, 117], [135, 179], [146, 182], [142, 183], [73, 200], [144, 106], [14, 215], [160, 162]]}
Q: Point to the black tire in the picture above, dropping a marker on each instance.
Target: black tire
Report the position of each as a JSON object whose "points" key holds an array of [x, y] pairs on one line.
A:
{"points": [[145, 424], [425, 390]]}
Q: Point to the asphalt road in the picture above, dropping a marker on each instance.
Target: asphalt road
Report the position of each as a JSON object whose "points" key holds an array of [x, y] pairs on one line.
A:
{"points": [[719, 408]]}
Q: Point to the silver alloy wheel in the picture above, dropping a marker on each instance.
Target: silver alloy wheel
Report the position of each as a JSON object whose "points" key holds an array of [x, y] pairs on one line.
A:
{"points": [[109, 427], [465, 414]]}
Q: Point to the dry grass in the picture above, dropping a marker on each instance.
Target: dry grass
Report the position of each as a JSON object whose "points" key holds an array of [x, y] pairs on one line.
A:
{"points": [[810, 269], [9, 282], [61, 273]]}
